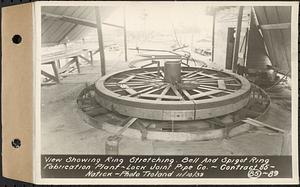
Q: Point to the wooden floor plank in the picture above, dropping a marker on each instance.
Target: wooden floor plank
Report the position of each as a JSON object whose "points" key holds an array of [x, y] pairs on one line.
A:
{"points": [[258, 123]]}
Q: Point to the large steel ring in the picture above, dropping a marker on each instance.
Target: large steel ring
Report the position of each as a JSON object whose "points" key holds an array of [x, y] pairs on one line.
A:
{"points": [[200, 94]]}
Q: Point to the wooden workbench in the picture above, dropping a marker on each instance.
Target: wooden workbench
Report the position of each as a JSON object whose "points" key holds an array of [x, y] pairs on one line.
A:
{"points": [[73, 56]]}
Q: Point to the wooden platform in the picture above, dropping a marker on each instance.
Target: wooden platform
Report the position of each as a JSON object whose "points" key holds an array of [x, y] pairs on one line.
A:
{"points": [[72, 56]]}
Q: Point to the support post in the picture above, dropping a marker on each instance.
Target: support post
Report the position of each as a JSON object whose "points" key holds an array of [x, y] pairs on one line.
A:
{"points": [[55, 70], [91, 56], [213, 38], [77, 63], [125, 34], [54, 78], [286, 143], [100, 40], [237, 39], [58, 64]]}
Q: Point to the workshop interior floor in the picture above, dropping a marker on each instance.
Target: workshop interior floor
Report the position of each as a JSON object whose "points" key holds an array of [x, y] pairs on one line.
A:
{"points": [[64, 132]]}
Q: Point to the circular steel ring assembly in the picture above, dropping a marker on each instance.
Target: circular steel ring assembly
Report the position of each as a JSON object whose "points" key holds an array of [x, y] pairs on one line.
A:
{"points": [[173, 92]]}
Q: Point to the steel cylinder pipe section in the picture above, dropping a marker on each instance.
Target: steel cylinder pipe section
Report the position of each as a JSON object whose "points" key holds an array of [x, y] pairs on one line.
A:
{"points": [[172, 70]]}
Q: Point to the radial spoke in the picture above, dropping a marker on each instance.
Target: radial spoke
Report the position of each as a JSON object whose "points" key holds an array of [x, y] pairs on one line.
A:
{"points": [[207, 87], [177, 93], [215, 88], [139, 80], [127, 79], [162, 73], [160, 97], [194, 75], [212, 79], [156, 89], [124, 87], [142, 91], [119, 90], [143, 86], [129, 90], [233, 84], [210, 84], [198, 91], [147, 73], [136, 82], [147, 81], [186, 71], [154, 74], [118, 78], [156, 80], [111, 84], [209, 75], [189, 74], [163, 93], [132, 84], [186, 93], [143, 76], [203, 94], [194, 78]]}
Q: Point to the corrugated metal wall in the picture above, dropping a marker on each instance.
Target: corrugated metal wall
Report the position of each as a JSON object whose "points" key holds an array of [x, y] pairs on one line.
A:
{"points": [[278, 41]]}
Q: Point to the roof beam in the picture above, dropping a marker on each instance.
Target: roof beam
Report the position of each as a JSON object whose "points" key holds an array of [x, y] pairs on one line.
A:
{"points": [[77, 21], [112, 25], [275, 26], [71, 20]]}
